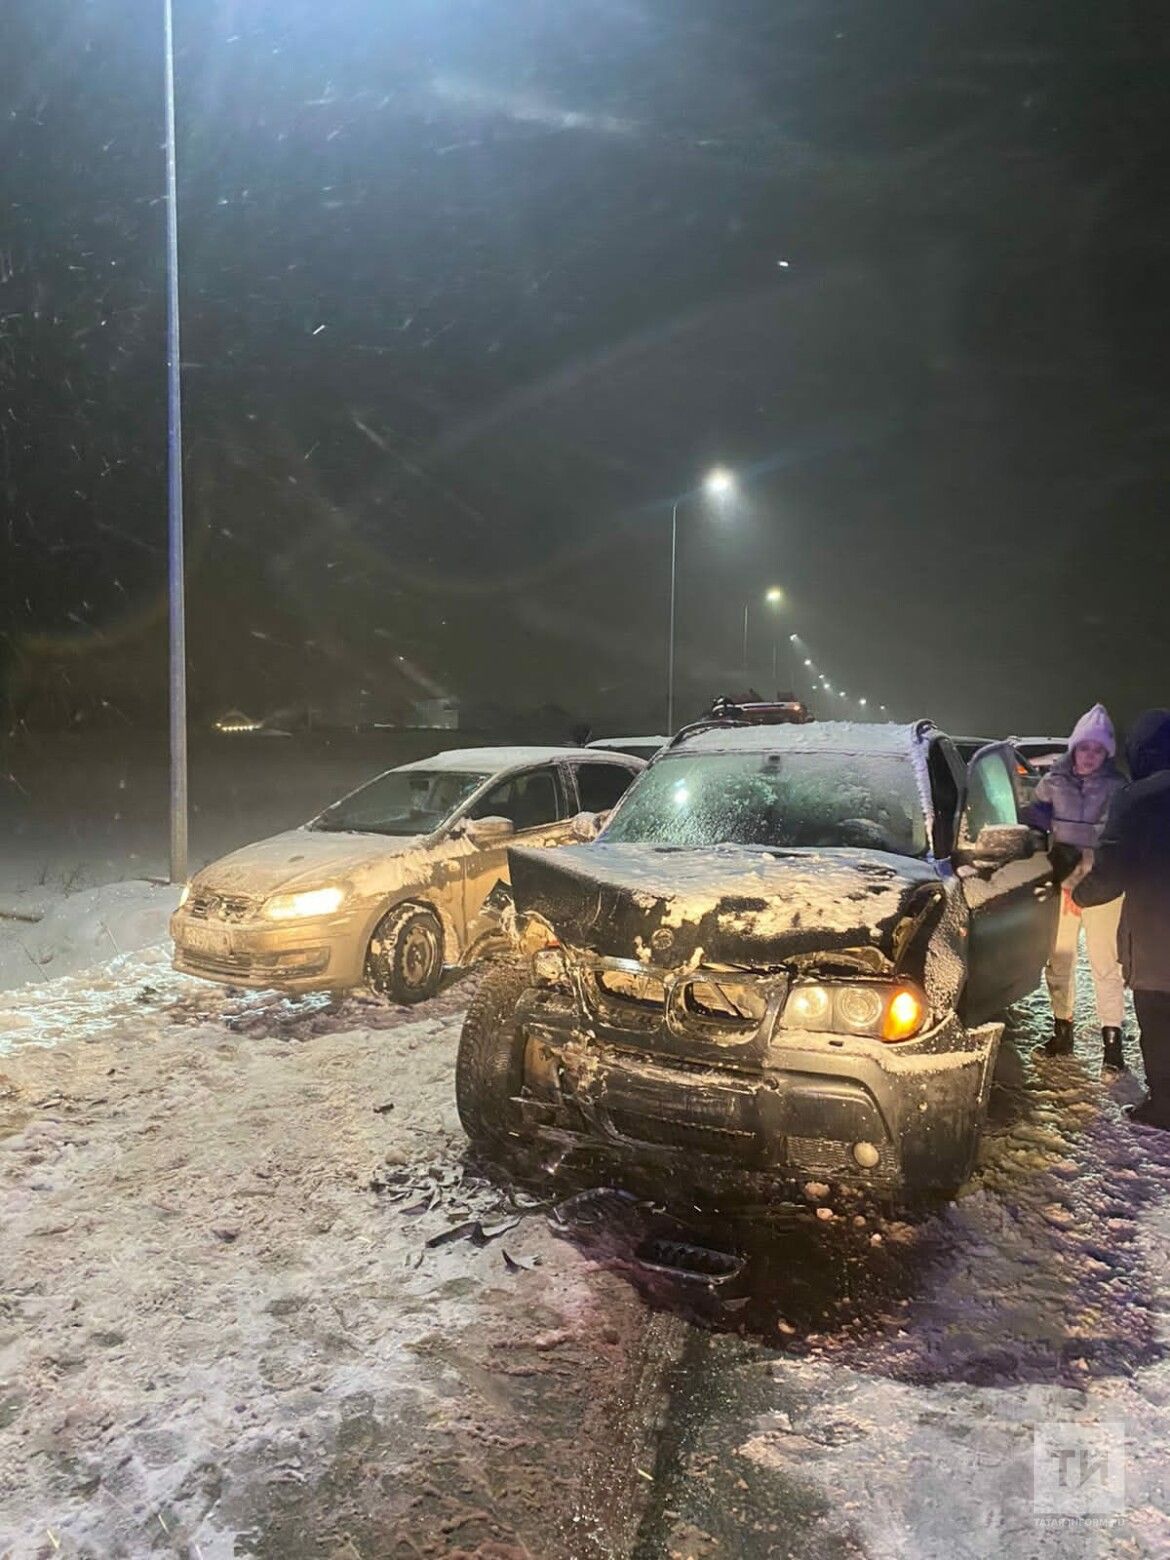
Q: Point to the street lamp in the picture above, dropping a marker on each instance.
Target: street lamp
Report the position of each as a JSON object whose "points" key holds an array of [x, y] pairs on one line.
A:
{"points": [[718, 484], [774, 596]]}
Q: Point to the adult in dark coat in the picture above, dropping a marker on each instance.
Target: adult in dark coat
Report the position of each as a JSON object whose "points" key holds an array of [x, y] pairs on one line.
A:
{"points": [[1133, 858]]}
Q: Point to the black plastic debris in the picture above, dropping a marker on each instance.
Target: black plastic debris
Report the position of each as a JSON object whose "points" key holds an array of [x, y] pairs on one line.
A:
{"points": [[474, 1230], [685, 1260]]}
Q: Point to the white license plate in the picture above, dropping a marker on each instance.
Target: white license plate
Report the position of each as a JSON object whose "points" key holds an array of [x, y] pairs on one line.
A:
{"points": [[206, 939]]}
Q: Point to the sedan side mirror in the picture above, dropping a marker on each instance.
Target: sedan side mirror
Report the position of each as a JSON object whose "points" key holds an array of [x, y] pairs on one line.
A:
{"points": [[997, 845], [586, 826], [488, 831]]}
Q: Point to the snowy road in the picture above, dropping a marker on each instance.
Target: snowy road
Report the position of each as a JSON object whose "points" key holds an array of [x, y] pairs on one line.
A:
{"points": [[222, 1330]]}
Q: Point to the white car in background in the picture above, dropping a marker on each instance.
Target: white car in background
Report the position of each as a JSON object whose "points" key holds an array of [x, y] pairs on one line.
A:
{"points": [[387, 887]]}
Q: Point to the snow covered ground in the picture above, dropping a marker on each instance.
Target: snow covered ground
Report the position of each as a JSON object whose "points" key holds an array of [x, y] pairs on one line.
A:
{"points": [[223, 1331], [44, 935]]}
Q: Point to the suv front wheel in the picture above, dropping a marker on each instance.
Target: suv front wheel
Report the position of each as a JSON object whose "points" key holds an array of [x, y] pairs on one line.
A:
{"points": [[489, 1070]]}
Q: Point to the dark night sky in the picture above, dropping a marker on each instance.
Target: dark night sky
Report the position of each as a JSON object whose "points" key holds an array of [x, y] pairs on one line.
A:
{"points": [[472, 289]]}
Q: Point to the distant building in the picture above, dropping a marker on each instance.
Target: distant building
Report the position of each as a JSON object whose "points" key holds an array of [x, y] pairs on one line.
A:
{"points": [[236, 721], [440, 714]]}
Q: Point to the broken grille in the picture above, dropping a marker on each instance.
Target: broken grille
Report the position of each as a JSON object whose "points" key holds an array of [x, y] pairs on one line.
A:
{"points": [[220, 907]]}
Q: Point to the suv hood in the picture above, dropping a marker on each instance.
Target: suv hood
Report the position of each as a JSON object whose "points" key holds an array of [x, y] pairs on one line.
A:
{"points": [[303, 858], [729, 905]]}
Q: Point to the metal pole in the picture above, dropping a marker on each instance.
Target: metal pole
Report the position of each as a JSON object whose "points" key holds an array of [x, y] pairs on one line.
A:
{"points": [[775, 653], [745, 634], [178, 632], [670, 651]]}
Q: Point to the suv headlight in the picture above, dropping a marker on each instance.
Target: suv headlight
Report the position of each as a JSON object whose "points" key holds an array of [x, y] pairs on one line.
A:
{"points": [[312, 901], [881, 1010]]}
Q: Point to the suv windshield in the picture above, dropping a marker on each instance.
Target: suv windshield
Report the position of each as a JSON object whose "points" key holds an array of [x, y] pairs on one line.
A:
{"points": [[403, 801], [863, 801]]}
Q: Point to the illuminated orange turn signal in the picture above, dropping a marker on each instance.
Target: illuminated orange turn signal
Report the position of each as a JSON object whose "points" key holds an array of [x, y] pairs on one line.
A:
{"points": [[904, 1016]]}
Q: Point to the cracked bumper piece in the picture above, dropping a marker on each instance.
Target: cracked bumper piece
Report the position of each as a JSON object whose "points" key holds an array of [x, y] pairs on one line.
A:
{"points": [[858, 1113]]}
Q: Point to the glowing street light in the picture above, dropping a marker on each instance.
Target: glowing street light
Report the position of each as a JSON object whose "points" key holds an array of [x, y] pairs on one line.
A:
{"points": [[718, 484], [774, 596]]}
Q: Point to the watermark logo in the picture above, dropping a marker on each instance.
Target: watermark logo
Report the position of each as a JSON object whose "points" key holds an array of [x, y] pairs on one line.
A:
{"points": [[1079, 1472]]}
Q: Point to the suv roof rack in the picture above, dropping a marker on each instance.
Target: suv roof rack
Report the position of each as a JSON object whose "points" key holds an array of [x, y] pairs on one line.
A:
{"points": [[756, 712]]}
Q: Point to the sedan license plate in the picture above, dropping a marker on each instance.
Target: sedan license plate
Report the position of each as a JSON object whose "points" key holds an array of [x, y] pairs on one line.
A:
{"points": [[206, 939]]}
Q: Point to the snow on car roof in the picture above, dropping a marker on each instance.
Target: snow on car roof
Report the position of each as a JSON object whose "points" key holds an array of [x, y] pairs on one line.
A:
{"points": [[488, 760], [826, 736]]}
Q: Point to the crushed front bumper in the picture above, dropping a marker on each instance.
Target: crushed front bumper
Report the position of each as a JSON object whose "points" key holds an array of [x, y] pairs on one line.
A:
{"points": [[890, 1118]]}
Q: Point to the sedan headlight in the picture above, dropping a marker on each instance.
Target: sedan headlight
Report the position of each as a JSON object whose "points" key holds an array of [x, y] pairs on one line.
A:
{"points": [[184, 894], [882, 1011], [312, 901]]}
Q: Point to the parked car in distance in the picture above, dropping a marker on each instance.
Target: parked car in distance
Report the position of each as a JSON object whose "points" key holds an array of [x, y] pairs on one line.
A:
{"points": [[387, 886], [1027, 776], [635, 747], [784, 957], [1041, 752]]}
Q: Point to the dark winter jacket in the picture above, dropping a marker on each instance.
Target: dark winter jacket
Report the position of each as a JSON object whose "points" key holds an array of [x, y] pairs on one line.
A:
{"points": [[1072, 807], [1133, 857]]}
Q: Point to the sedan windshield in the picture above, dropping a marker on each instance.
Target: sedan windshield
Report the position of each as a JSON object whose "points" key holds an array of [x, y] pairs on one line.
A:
{"points": [[827, 800], [403, 801]]}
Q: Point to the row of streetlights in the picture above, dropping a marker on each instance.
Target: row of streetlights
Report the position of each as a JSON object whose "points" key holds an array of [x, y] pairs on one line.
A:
{"points": [[821, 680], [719, 485]]}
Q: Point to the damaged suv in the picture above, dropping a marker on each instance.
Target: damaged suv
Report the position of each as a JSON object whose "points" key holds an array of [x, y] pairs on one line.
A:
{"points": [[785, 955]]}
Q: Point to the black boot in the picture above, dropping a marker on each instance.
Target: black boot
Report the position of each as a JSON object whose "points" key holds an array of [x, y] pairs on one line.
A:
{"points": [[1113, 1058], [1061, 1043], [1147, 1114]]}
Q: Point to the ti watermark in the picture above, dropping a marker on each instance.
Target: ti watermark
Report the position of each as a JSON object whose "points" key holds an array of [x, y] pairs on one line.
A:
{"points": [[1079, 1474]]}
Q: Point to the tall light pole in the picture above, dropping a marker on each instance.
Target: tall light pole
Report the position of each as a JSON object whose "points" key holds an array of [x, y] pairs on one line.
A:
{"points": [[774, 597], [177, 606], [719, 483]]}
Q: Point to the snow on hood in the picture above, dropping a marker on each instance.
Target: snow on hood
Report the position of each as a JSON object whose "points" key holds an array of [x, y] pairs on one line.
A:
{"points": [[1148, 747], [730, 904], [305, 858]]}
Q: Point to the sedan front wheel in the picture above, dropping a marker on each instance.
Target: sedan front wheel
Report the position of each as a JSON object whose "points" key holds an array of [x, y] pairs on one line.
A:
{"points": [[405, 958]]}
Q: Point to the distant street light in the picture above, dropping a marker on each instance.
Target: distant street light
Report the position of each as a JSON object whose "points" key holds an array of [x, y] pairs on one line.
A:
{"points": [[718, 484], [774, 597]]}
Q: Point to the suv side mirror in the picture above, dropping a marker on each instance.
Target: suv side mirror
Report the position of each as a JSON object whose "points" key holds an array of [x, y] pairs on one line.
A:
{"points": [[997, 844], [487, 831]]}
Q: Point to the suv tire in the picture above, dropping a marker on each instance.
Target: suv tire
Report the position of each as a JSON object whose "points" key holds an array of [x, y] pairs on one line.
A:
{"points": [[489, 1070]]}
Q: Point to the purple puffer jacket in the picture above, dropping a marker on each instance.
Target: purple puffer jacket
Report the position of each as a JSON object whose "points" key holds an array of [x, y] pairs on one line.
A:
{"points": [[1072, 807]]}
